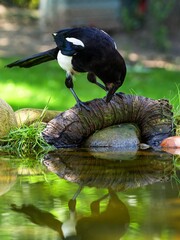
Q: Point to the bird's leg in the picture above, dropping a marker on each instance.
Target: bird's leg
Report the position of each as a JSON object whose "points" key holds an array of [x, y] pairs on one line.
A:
{"points": [[69, 226], [92, 78], [69, 84], [72, 202], [78, 192]]}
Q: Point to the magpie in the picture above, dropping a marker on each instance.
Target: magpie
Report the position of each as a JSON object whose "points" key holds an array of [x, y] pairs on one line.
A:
{"points": [[83, 49]]}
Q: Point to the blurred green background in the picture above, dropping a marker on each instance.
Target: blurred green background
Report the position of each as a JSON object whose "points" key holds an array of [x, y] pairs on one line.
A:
{"points": [[44, 84], [147, 37]]}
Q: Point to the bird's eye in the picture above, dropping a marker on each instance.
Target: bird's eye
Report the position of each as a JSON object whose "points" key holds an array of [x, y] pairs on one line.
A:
{"points": [[75, 41]]}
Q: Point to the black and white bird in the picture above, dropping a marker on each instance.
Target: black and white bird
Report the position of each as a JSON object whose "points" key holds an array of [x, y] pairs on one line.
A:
{"points": [[83, 49]]}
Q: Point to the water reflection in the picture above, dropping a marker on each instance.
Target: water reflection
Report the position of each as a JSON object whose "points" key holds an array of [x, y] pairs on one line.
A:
{"points": [[39, 217], [108, 217], [86, 169], [8, 175], [109, 224]]}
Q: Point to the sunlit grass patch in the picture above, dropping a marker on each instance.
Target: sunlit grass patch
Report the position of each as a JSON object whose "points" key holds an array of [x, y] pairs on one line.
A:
{"points": [[26, 141], [34, 86]]}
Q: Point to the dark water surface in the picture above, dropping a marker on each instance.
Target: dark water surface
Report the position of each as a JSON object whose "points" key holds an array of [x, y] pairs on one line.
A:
{"points": [[103, 195]]}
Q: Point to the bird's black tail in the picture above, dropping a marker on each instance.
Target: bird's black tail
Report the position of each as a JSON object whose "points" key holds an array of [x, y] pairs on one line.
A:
{"points": [[35, 59]]}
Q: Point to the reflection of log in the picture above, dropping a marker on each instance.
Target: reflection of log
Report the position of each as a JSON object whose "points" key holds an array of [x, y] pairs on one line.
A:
{"points": [[70, 128], [8, 176], [82, 168]]}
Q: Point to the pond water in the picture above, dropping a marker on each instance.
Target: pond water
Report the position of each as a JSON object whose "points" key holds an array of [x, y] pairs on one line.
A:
{"points": [[103, 195]]}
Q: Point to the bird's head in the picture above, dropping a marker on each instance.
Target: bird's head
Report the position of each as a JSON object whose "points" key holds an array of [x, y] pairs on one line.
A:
{"points": [[115, 76], [67, 44]]}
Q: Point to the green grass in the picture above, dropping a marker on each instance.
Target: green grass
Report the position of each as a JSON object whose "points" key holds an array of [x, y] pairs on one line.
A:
{"points": [[26, 141], [34, 87]]}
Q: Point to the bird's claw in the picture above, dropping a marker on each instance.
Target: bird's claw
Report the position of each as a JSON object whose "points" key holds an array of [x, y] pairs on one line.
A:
{"points": [[109, 96], [120, 94], [82, 105]]}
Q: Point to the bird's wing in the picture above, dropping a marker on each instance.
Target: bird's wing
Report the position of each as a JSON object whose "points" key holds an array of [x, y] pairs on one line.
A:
{"points": [[35, 59]]}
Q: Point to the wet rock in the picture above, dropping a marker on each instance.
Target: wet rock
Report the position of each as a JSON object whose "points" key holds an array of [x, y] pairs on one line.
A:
{"points": [[171, 145], [143, 146], [7, 118], [171, 142], [124, 136]]}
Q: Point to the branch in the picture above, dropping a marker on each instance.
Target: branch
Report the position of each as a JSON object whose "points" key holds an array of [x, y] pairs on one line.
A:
{"points": [[72, 127]]}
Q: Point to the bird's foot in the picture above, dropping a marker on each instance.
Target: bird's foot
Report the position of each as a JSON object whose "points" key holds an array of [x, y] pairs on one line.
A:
{"points": [[120, 94], [82, 105], [109, 96]]}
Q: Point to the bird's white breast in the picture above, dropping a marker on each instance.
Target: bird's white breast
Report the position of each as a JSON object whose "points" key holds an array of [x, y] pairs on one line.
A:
{"points": [[65, 62]]}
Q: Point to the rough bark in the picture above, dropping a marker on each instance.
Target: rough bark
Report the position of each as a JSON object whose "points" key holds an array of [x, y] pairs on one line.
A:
{"points": [[72, 127]]}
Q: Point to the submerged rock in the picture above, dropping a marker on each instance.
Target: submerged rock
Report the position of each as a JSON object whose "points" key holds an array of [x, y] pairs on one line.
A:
{"points": [[7, 118]]}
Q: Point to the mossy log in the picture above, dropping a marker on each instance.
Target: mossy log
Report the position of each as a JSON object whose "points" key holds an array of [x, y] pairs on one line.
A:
{"points": [[72, 127]]}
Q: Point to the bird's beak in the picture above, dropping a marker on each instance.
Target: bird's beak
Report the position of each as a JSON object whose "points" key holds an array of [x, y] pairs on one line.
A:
{"points": [[111, 87]]}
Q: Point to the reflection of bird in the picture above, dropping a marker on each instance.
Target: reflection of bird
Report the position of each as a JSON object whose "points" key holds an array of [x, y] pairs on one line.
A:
{"points": [[109, 224], [39, 217], [84, 49]]}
